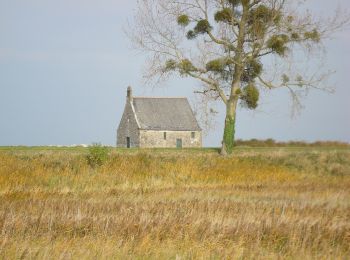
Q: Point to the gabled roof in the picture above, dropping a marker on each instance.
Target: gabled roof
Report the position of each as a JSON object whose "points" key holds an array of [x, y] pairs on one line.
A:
{"points": [[172, 114]]}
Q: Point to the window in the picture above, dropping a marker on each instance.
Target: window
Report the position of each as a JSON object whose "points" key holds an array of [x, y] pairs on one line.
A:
{"points": [[164, 134], [193, 135]]}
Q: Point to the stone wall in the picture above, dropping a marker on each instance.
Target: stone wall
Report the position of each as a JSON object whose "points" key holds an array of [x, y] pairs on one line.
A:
{"points": [[150, 138], [128, 128]]}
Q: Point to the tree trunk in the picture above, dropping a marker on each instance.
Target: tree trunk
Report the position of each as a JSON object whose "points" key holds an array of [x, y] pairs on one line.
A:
{"points": [[231, 104], [229, 130]]}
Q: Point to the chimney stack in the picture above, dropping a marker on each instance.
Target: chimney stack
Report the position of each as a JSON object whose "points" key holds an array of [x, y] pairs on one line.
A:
{"points": [[129, 94]]}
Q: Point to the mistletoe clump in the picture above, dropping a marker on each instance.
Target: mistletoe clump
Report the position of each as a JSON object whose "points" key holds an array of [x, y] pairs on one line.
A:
{"points": [[170, 65], [183, 20], [250, 96], [314, 36], [186, 66], [261, 14], [295, 36], [202, 27], [278, 44], [218, 65], [191, 35], [234, 2], [260, 18], [252, 70], [225, 15]]}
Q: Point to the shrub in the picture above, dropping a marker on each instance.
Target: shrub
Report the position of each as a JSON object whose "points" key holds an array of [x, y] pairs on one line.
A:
{"points": [[97, 155]]}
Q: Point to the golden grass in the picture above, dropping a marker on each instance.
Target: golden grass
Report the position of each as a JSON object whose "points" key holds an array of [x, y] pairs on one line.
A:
{"points": [[147, 204]]}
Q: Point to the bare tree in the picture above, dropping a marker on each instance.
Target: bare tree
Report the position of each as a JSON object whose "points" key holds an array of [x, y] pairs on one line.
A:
{"points": [[230, 45]]}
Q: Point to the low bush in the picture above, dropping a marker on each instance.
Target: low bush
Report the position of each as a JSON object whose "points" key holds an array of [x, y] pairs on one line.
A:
{"points": [[97, 155]]}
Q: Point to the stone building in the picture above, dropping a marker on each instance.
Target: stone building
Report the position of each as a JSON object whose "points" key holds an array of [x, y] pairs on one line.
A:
{"points": [[158, 122]]}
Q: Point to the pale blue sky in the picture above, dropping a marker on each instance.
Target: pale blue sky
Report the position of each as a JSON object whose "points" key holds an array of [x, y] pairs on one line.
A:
{"points": [[65, 66]]}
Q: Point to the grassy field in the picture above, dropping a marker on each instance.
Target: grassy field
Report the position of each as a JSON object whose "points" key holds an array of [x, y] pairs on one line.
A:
{"points": [[260, 203]]}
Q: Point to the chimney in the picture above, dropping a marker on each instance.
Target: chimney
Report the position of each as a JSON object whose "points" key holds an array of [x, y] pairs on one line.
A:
{"points": [[129, 94]]}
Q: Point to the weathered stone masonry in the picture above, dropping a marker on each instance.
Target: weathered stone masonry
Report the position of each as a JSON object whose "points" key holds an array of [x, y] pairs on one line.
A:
{"points": [[158, 122], [128, 128], [156, 138]]}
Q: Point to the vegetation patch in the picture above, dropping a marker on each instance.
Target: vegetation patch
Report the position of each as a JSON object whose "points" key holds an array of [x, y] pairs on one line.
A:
{"points": [[260, 202], [98, 154]]}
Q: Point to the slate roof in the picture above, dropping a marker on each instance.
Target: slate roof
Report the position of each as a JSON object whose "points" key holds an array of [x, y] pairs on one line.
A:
{"points": [[172, 114]]}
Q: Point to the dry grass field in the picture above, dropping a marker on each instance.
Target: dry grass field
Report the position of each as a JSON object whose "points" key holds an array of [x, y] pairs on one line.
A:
{"points": [[260, 203]]}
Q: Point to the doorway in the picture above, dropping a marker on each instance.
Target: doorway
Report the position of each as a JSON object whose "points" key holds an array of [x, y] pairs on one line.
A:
{"points": [[178, 143], [128, 142]]}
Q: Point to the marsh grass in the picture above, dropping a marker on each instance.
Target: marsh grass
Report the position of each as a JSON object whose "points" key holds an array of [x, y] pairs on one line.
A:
{"points": [[147, 204]]}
